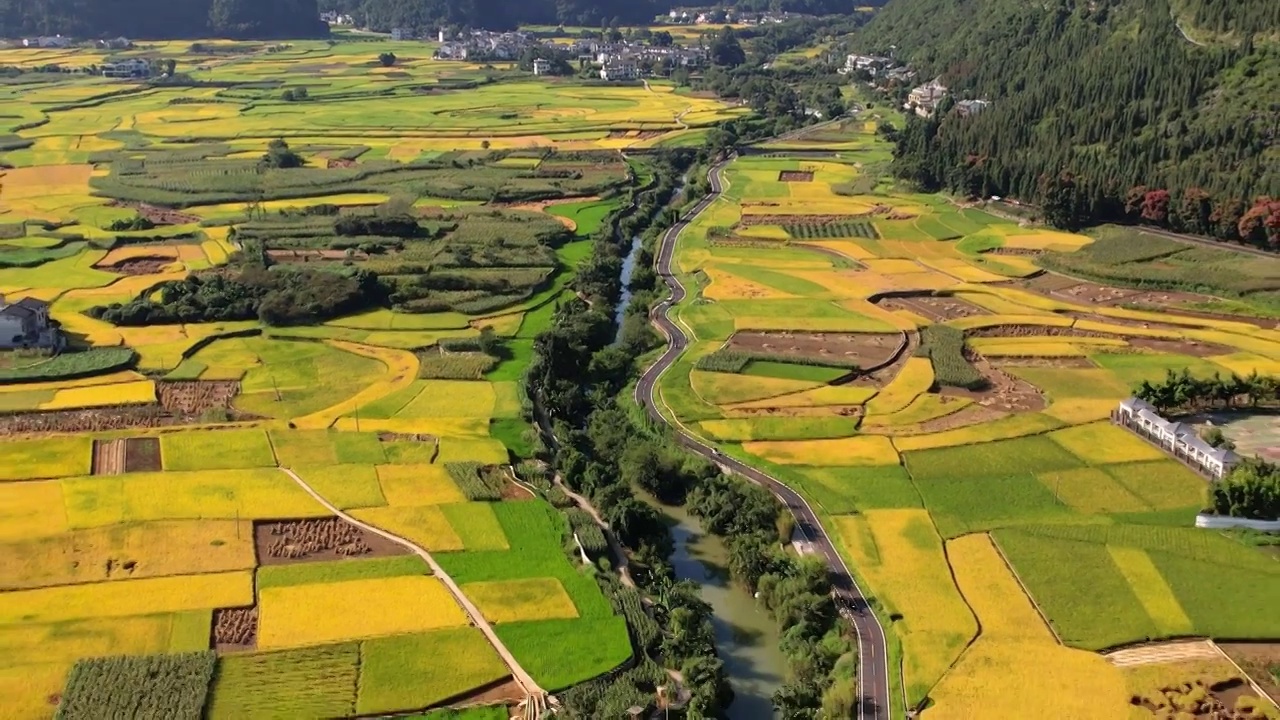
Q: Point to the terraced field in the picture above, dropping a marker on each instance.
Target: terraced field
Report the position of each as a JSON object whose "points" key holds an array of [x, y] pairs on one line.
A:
{"points": [[960, 444], [144, 505]]}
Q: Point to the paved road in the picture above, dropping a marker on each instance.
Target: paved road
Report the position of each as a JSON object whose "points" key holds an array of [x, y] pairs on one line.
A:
{"points": [[873, 673]]}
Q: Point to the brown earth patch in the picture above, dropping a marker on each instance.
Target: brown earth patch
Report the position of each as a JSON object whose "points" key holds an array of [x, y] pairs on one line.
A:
{"points": [[1028, 252], [514, 491], [128, 417], [863, 350], [150, 265], [795, 176], [157, 215], [297, 256], [1194, 348], [334, 163], [1261, 660], [935, 308], [1091, 293], [142, 455], [108, 457], [193, 397], [280, 542], [235, 629], [541, 207], [1004, 393]]}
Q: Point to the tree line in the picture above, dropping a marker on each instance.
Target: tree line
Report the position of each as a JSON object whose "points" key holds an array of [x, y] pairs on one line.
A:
{"points": [[1093, 123], [283, 296], [162, 19], [1182, 391], [1251, 490]]}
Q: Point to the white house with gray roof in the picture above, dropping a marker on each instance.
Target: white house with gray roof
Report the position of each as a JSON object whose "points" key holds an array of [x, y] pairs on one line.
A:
{"points": [[25, 324], [1179, 439]]}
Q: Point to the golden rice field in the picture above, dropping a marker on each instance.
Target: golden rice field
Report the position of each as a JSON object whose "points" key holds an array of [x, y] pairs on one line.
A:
{"points": [[516, 600], [315, 614]]}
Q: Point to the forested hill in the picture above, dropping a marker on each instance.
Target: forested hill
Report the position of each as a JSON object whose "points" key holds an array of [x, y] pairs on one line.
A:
{"points": [[160, 19], [503, 14], [1128, 97]]}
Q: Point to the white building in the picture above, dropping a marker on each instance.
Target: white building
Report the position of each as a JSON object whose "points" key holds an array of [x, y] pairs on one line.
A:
{"points": [[399, 34], [619, 70], [1179, 439], [25, 324], [129, 68], [873, 64], [541, 66]]}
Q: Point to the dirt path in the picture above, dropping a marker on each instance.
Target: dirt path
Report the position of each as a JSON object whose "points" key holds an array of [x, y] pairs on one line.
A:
{"points": [[526, 681], [621, 564]]}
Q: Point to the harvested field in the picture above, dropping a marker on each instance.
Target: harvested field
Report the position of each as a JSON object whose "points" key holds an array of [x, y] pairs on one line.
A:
{"points": [[1003, 393], [146, 265], [293, 541], [92, 420], [1261, 660], [122, 455], [863, 350], [157, 215], [235, 628], [795, 176], [936, 308], [298, 256], [196, 396], [108, 457]]}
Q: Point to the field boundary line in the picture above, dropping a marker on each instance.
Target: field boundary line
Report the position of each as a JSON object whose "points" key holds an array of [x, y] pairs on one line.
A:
{"points": [[1248, 678], [521, 676], [1025, 591], [977, 621]]}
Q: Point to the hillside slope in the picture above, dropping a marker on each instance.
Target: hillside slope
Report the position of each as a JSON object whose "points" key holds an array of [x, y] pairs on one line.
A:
{"points": [[1125, 95]]}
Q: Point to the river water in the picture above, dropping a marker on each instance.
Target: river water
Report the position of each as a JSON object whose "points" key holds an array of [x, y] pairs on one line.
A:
{"points": [[628, 267], [746, 637]]}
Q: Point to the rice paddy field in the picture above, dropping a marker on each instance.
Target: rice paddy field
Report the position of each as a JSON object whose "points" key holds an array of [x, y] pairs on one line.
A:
{"points": [[152, 495], [960, 448]]}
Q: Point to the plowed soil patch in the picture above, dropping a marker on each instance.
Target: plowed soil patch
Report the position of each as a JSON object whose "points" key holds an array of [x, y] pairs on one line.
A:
{"points": [[864, 350], [934, 308], [795, 176], [281, 542]]}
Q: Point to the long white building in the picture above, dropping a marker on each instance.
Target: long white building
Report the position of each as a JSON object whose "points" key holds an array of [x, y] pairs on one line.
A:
{"points": [[1179, 439]]}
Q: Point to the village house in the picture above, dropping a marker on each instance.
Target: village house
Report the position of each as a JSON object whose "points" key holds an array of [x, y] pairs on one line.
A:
{"points": [[400, 34], [25, 324], [873, 64], [1178, 439], [618, 70], [541, 66], [924, 99], [129, 68], [967, 108]]}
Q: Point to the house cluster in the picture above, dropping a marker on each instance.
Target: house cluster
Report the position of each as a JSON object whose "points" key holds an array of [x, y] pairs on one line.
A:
{"points": [[25, 324], [623, 60], [617, 61], [882, 70], [478, 44], [1178, 439], [727, 16], [50, 41], [336, 18]]}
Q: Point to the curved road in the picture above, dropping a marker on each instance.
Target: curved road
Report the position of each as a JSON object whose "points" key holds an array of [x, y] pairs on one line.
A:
{"points": [[873, 673]]}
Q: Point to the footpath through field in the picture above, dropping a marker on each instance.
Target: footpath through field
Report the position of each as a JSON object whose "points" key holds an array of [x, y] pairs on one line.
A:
{"points": [[533, 692], [1164, 653]]}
